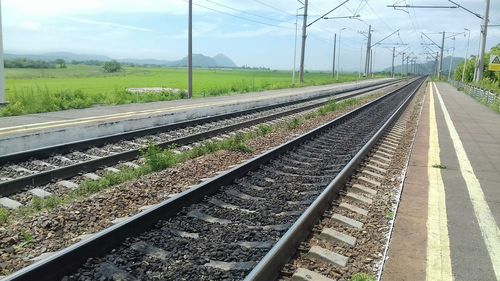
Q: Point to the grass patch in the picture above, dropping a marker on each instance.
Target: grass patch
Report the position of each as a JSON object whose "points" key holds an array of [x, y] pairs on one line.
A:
{"points": [[83, 86], [294, 123], [362, 277], [439, 166], [389, 215], [157, 159], [26, 239], [4, 216]]}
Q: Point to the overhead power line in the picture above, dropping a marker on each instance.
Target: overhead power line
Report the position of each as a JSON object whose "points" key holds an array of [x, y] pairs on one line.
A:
{"points": [[239, 17], [274, 8], [245, 12]]}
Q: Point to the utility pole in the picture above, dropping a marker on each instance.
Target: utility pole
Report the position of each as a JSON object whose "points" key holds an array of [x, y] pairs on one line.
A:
{"points": [[371, 62], [295, 45], [2, 74], [451, 60], [466, 55], [393, 55], [407, 61], [484, 31], [402, 64], [304, 35], [334, 50], [190, 50], [436, 66], [338, 59], [441, 57], [368, 51]]}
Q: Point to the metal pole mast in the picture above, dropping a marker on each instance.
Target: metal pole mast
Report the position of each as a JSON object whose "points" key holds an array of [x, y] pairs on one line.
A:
{"points": [[393, 55], [465, 60], [436, 64], [484, 32], [338, 59], [190, 50], [451, 60], [407, 61], [295, 46], [2, 77], [304, 35], [368, 51], [441, 57], [334, 50], [371, 61], [361, 61], [402, 64]]}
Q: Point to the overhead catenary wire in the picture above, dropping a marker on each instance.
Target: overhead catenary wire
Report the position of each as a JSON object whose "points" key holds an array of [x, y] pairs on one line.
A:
{"points": [[240, 17], [274, 8], [246, 12]]}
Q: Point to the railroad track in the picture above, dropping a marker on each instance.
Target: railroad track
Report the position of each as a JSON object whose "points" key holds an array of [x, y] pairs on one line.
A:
{"points": [[221, 229], [42, 166]]}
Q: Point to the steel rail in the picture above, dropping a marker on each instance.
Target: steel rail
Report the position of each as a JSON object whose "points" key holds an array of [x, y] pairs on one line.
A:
{"points": [[45, 152], [270, 266], [18, 184], [73, 257]]}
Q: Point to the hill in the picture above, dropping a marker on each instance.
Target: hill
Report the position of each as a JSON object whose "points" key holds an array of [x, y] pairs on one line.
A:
{"points": [[199, 60]]}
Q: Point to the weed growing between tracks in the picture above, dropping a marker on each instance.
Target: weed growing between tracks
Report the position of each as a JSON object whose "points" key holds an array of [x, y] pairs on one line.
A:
{"points": [[362, 277], [157, 159]]}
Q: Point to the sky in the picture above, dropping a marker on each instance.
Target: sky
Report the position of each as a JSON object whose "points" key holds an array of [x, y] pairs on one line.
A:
{"points": [[250, 32]]}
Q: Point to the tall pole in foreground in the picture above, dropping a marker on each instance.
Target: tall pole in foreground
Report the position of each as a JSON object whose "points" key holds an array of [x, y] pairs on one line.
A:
{"points": [[304, 35], [392, 66], [190, 50], [368, 51], [466, 54], [441, 57], [334, 50], [295, 45], [484, 31], [2, 78]]}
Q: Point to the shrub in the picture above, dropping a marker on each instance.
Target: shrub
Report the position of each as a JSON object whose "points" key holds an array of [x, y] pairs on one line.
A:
{"points": [[112, 66]]}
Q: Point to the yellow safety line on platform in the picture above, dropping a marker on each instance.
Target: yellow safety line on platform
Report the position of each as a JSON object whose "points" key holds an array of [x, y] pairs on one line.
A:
{"points": [[487, 224], [438, 266]]}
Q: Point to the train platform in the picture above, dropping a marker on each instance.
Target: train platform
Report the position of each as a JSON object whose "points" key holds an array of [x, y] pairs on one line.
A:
{"points": [[21, 133], [446, 227]]}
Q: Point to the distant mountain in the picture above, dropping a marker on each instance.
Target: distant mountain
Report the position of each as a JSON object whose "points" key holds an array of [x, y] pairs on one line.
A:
{"points": [[199, 60], [222, 60]]}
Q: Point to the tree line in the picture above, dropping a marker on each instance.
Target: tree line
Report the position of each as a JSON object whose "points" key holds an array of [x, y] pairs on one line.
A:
{"points": [[110, 66], [491, 79]]}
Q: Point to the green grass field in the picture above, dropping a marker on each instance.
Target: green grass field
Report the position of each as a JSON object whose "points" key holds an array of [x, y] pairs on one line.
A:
{"points": [[81, 86]]}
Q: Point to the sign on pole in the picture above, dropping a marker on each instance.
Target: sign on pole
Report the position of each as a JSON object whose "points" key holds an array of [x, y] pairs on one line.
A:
{"points": [[494, 63]]}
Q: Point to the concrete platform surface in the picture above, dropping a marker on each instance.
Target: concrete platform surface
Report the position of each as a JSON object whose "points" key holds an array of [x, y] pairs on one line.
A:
{"points": [[20, 133], [447, 224]]}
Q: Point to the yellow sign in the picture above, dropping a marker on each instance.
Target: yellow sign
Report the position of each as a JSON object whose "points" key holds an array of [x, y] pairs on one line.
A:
{"points": [[494, 63]]}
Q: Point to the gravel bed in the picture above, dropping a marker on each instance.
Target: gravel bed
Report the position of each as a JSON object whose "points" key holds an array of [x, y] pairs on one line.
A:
{"points": [[96, 213], [366, 256]]}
